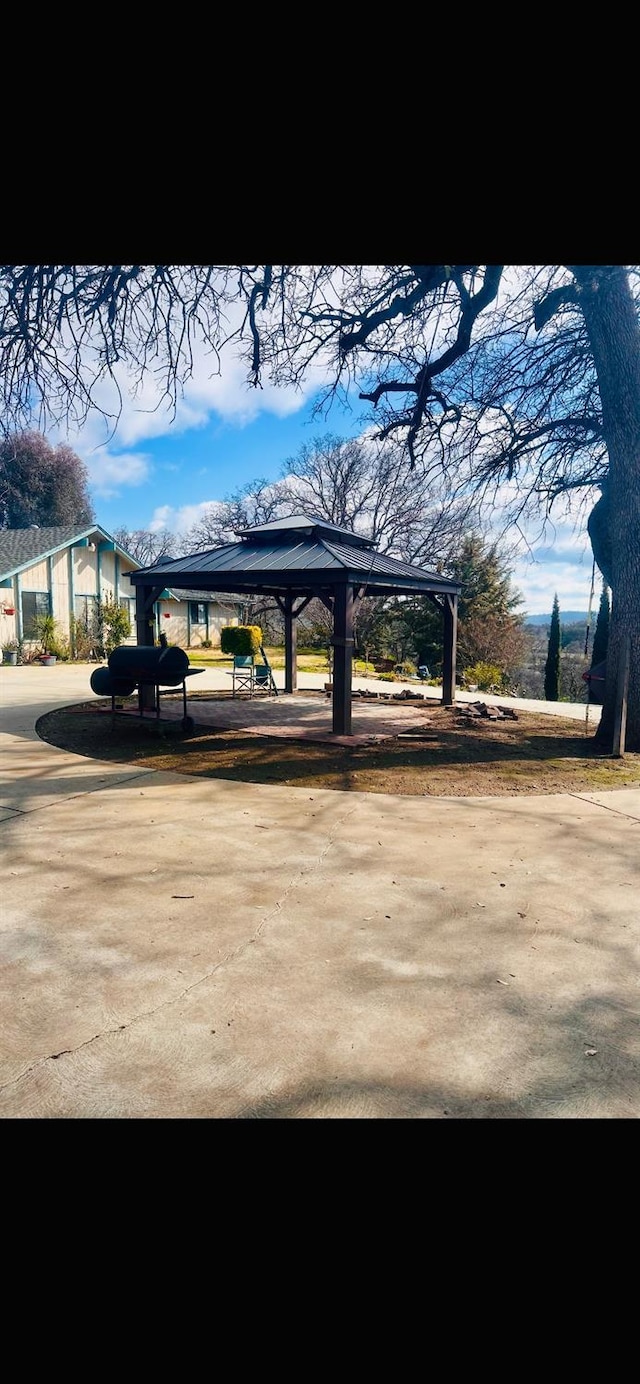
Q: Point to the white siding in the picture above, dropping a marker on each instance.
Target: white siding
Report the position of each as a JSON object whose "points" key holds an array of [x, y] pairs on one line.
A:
{"points": [[107, 576], [60, 589], [54, 576], [8, 623], [36, 577], [126, 589], [176, 627], [85, 572]]}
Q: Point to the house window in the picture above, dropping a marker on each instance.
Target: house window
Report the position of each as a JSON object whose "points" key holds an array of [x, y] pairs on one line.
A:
{"points": [[198, 612], [85, 609], [126, 604], [34, 604]]}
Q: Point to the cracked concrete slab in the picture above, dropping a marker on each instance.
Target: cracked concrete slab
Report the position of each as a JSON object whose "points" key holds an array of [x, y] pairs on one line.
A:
{"points": [[626, 804]]}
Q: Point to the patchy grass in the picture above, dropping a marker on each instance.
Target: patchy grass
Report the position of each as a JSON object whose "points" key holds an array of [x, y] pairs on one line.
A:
{"points": [[535, 754]]}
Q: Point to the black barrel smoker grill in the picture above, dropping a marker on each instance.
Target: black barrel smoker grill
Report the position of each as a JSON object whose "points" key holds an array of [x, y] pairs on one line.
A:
{"points": [[136, 666]]}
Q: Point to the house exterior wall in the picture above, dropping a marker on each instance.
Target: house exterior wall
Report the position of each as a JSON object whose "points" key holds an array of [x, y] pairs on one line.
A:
{"points": [[188, 634], [35, 578], [8, 623], [176, 627], [74, 571], [218, 618], [125, 587], [60, 593], [78, 570], [107, 576], [85, 572]]}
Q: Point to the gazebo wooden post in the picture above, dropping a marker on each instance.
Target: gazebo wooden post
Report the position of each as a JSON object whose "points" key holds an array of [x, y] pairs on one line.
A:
{"points": [[450, 639], [342, 658], [290, 645], [145, 633]]}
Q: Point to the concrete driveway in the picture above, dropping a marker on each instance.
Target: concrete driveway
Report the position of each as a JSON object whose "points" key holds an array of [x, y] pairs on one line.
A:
{"points": [[181, 948]]}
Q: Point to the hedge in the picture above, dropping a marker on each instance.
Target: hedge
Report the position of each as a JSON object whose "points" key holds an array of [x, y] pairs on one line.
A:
{"points": [[240, 639]]}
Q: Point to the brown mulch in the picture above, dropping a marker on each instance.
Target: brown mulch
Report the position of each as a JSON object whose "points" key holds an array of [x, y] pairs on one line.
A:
{"points": [[448, 754]]}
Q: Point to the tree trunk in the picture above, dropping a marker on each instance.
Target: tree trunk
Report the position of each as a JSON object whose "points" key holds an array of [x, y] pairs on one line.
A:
{"points": [[612, 324]]}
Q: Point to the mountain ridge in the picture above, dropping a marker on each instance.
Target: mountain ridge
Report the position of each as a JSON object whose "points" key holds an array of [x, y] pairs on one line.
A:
{"points": [[567, 617]]}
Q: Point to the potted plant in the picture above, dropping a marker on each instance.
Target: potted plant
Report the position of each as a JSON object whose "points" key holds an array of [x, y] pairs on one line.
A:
{"points": [[10, 651], [45, 628]]}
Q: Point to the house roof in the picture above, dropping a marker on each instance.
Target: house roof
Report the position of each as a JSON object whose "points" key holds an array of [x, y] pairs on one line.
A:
{"points": [[20, 548], [298, 554], [188, 595]]}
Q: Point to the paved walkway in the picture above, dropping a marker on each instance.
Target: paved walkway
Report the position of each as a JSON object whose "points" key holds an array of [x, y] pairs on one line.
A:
{"points": [[178, 947]]}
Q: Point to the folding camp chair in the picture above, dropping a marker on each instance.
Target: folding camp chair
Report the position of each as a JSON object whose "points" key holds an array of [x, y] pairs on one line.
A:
{"points": [[263, 679], [242, 673], [252, 677]]}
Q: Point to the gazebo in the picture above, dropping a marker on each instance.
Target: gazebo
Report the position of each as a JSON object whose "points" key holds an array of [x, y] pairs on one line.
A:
{"points": [[295, 560]]}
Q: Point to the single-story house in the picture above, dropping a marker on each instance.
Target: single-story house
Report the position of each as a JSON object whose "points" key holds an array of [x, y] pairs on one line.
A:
{"points": [[189, 618], [66, 570]]}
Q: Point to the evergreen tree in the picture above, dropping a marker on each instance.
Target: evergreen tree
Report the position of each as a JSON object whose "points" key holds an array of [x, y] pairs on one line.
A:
{"points": [[489, 623], [601, 636], [552, 665]]}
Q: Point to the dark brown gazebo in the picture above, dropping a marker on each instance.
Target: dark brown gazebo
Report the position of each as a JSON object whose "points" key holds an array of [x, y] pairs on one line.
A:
{"points": [[294, 560]]}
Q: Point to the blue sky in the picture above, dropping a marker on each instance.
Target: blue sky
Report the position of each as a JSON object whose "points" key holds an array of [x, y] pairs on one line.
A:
{"points": [[155, 470], [191, 468]]}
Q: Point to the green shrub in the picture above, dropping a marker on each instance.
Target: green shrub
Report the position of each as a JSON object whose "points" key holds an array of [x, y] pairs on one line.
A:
{"points": [[241, 639], [115, 625], [487, 677], [407, 669], [386, 677], [82, 640], [206, 644], [60, 647]]}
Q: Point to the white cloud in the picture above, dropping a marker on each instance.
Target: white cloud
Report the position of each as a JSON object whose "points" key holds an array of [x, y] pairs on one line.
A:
{"points": [[142, 412], [179, 520], [548, 555], [559, 561], [109, 471], [540, 581], [104, 444]]}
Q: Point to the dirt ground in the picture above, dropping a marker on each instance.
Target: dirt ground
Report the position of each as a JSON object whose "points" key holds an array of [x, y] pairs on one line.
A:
{"points": [[447, 754]]}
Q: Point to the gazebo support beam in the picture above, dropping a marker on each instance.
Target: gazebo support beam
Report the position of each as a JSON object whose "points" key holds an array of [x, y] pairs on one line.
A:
{"points": [[449, 651], [342, 658], [285, 605], [290, 645]]}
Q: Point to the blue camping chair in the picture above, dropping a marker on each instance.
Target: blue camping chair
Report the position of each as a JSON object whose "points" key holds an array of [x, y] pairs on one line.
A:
{"points": [[249, 676], [242, 673]]}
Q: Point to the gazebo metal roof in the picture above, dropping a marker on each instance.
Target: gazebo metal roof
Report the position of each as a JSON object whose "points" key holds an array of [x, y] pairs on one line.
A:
{"points": [[296, 554]]}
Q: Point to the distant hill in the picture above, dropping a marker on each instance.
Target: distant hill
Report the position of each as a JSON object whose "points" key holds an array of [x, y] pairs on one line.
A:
{"points": [[567, 617]]}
